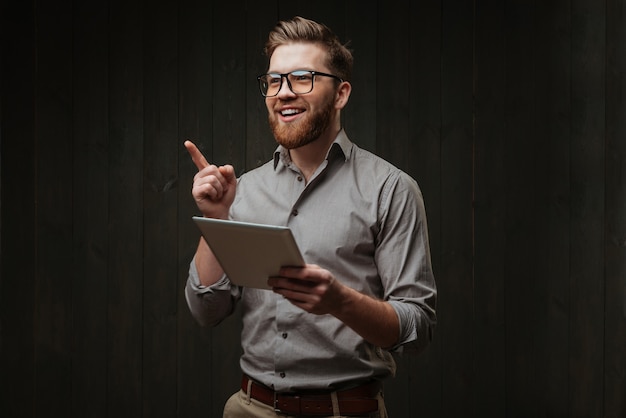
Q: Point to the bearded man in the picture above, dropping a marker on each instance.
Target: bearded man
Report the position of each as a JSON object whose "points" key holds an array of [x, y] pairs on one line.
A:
{"points": [[320, 342]]}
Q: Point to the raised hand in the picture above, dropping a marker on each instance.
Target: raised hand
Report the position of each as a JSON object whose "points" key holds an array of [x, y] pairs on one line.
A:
{"points": [[213, 187]]}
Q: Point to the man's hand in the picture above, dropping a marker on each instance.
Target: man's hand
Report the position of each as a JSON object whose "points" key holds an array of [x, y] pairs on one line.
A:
{"points": [[310, 288], [213, 186], [315, 290]]}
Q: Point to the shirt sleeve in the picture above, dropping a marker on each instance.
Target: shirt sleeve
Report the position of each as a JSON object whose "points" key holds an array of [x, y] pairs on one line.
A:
{"points": [[403, 259], [210, 305]]}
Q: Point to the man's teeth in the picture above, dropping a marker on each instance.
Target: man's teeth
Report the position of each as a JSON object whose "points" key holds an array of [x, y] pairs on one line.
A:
{"points": [[289, 112]]}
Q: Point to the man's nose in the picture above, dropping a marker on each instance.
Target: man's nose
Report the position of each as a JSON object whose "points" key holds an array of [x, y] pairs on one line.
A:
{"points": [[285, 88]]}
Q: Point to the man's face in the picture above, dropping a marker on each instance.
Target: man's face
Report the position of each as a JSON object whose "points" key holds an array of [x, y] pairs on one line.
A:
{"points": [[299, 119]]}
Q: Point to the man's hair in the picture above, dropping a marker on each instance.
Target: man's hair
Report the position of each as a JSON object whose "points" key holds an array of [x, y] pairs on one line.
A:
{"points": [[300, 29]]}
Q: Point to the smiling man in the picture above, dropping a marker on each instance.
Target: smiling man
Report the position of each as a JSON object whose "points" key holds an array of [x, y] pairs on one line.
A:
{"points": [[319, 343]]}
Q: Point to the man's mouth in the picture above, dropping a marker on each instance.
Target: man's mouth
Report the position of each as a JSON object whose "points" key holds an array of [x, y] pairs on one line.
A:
{"points": [[290, 112]]}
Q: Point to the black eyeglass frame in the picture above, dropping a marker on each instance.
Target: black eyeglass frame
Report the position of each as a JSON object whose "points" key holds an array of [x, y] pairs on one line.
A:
{"points": [[286, 77]]}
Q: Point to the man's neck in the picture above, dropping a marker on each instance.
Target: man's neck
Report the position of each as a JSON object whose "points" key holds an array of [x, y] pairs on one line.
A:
{"points": [[309, 157]]}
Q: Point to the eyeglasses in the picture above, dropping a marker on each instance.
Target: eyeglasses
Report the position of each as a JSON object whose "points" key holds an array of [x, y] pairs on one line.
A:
{"points": [[299, 82]]}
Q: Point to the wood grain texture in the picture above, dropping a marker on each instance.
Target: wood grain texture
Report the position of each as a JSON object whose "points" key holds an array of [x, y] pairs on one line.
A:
{"points": [[510, 116]]}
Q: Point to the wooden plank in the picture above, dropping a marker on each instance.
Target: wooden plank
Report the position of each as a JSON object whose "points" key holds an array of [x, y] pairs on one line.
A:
{"points": [[520, 231], [490, 208], [228, 146], [455, 280], [552, 45], [615, 221], [229, 76], [195, 123], [91, 190], [392, 92], [361, 32], [260, 142], [329, 12], [587, 211], [53, 214], [125, 255], [160, 200], [392, 140], [17, 204], [423, 76]]}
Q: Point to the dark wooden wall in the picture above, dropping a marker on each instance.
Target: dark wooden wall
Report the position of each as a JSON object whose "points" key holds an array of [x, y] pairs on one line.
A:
{"points": [[510, 114]]}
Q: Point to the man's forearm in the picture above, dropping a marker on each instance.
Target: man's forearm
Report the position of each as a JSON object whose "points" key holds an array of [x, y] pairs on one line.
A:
{"points": [[209, 269], [374, 320]]}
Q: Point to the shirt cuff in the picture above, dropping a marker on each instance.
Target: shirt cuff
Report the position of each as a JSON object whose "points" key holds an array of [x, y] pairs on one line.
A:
{"points": [[408, 323], [194, 281]]}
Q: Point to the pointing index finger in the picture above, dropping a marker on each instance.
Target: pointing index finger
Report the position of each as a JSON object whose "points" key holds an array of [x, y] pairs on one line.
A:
{"points": [[196, 156]]}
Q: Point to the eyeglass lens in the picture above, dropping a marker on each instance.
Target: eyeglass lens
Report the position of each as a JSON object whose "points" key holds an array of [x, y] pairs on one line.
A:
{"points": [[299, 82]]}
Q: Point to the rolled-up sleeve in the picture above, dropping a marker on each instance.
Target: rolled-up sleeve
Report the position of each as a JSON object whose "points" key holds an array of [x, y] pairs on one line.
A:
{"points": [[403, 258], [210, 305], [413, 321]]}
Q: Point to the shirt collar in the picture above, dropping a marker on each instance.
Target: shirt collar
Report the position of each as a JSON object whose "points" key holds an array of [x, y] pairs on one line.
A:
{"points": [[341, 147]]}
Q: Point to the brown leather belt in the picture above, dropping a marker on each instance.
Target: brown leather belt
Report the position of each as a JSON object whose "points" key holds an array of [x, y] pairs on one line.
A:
{"points": [[352, 402]]}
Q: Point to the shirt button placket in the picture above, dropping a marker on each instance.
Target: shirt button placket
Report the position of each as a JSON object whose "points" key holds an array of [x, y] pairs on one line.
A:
{"points": [[282, 346]]}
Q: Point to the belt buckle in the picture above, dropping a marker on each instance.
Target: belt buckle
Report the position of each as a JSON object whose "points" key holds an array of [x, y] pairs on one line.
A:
{"points": [[284, 397], [276, 408]]}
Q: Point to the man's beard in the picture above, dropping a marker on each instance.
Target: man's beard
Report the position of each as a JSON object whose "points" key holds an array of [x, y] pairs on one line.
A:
{"points": [[305, 131]]}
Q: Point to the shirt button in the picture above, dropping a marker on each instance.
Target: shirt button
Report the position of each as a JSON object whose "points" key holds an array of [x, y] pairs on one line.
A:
{"points": [[284, 335], [294, 212], [282, 375], [299, 178]]}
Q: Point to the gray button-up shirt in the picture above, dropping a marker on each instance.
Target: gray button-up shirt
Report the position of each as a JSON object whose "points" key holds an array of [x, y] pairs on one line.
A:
{"points": [[362, 219]]}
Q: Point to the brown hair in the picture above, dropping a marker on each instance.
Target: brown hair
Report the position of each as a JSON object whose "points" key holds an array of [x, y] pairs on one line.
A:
{"points": [[300, 29]]}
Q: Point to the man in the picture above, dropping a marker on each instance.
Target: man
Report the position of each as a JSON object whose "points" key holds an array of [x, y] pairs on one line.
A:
{"points": [[320, 343]]}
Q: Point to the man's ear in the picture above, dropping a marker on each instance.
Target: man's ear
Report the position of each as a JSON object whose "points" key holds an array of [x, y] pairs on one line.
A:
{"points": [[343, 94]]}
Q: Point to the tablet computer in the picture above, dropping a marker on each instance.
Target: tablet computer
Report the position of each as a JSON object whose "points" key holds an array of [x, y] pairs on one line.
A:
{"points": [[250, 253]]}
